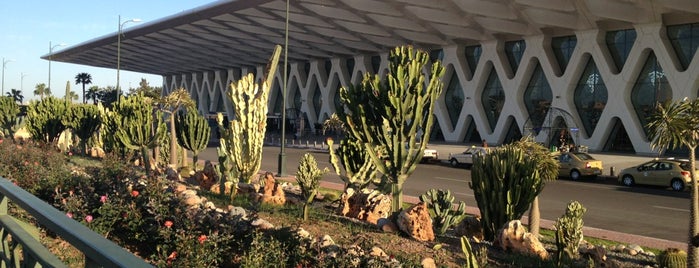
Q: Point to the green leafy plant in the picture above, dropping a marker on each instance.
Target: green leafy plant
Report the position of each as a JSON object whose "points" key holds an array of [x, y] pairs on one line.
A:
{"points": [[387, 114], [569, 233], [359, 170], [84, 120], [193, 133], [440, 204], [308, 177], [45, 118], [9, 111]]}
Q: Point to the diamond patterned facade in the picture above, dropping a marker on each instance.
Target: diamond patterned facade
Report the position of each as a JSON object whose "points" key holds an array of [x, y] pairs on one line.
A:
{"points": [[332, 43]]}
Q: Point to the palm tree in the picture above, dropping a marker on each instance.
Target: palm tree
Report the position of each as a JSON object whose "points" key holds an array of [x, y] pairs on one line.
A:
{"points": [[92, 94], [72, 96], [16, 95], [84, 79], [41, 90], [672, 125]]}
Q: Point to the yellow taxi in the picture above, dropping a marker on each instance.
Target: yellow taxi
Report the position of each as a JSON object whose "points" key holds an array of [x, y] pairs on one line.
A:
{"points": [[577, 165], [659, 172]]}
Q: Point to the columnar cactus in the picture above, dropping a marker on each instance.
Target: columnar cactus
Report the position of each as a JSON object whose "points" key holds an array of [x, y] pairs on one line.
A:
{"points": [[469, 255], [359, 170], [225, 164], [387, 114], [440, 204], [672, 258], [246, 132], [84, 120], [45, 118], [569, 227], [193, 132], [140, 127], [308, 177], [9, 111], [505, 182]]}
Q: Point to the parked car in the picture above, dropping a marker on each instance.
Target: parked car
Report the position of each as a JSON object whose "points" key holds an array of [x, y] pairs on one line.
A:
{"points": [[660, 172], [430, 155], [577, 165], [466, 157]]}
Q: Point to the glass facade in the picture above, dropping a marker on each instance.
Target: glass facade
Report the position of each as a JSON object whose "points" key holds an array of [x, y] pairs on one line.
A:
{"points": [[513, 132], [618, 138], [537, 98], [454, 99], [349, 62], [328, 67], [590, 97], [473, 55], [472, 134], [563, 48], [436, 133], [493, 98], [651, 88], [375, 63], [337, 100], [514, 51], [317, 101], [297, 99], [436, 54], [685, 40], [278, 99], [619, 44]]}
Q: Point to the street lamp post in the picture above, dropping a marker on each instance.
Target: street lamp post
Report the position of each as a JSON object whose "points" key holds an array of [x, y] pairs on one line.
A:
{"points": [[282, 155], [21, 82], [4, 63], [51, 47], [121, 26]]}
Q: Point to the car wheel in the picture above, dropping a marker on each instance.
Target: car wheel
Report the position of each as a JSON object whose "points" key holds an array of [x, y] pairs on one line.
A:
{"points": [[627, 180], [574, 175], [677, 185], [453, 162]]}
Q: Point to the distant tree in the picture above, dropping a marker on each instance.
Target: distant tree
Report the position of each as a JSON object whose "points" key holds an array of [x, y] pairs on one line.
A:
{"points": [[84, 79], [16, 95], [42, 90], [92, 94], [107, 96], [146, 89]]}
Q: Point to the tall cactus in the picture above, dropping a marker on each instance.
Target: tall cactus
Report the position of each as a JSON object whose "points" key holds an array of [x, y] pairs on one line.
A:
{"points": [[45, 118], [505, 182], [569, 229], [387, 114], [359, 169], [84, 120], [193, 133], [9, 111], [308, 177], [225, 163], [140, 127], [440, 204], [246, 132]]}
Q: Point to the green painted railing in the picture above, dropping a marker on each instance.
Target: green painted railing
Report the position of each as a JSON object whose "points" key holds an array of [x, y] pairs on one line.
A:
{"points": [[98, 251]]}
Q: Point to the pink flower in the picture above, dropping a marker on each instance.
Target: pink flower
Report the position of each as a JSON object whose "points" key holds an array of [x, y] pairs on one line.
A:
{"points": [[70, 215], [134, 193], [168, 224], [201, 239], [70, 153], [103, 198], [88, 218], [0, 141], [172, 257]]}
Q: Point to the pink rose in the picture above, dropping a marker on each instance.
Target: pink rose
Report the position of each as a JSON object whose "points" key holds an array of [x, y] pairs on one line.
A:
{"points": [[88, 218], [201, 239], [103, 198], [168, 224], [70, 215]]}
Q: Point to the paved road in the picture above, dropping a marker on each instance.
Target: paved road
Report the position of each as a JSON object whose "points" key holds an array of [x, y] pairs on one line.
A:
{"points": [[646, 211]]}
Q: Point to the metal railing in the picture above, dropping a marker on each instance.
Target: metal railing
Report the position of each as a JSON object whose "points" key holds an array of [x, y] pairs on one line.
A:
{"points": [[98, 251]]}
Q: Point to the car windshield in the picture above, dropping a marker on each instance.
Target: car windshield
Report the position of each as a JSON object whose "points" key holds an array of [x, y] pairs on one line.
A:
{"points": [[584, 156]]}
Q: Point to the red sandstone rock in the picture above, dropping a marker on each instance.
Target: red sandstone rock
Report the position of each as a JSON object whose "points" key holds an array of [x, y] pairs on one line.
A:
{"points": [[416, 222]]}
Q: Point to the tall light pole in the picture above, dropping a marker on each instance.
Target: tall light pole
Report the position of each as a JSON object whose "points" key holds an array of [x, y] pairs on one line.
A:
{"points": [[51, 47], [21, 82], [282, 154], [121, 26], [4, 63]]}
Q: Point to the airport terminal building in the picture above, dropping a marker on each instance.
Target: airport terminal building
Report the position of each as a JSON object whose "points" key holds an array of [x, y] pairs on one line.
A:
{"points": [[585, 71]]}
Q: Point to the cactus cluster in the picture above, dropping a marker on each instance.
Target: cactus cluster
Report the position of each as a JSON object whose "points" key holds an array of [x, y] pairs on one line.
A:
{"points": [[505, 182], [9, 112], [387, 114], [45, 118], [672, 258], [84, 120], [569, 233], [440, 204], [193, 133], [359, 170], [470, 259], [139, 127], [245, 134], [308, 177], [226, 169]]}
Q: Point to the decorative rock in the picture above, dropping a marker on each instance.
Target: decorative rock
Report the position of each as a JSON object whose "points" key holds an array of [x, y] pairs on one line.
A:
{"points": [[514, 237], [237, 211], [326, 241], [387, 226], [378, 252], [172, 175], [272, 193], [302, 233], [471, 228], [191, 200], [227, 188], [247, 188], [179, 188], [96, 152], [262, 224], [367, 205], [416, 222], [210, 171], [636, 247], [428, 263], [209, 205]]}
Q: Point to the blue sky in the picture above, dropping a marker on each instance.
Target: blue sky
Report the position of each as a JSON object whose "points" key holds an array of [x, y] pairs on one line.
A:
{"points": [[27, 27]]}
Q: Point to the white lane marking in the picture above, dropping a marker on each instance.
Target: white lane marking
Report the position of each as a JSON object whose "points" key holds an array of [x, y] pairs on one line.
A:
{"points": [[460, 193], [449, 179], [588, 185], [669, 208]]}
